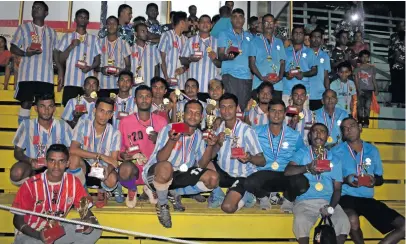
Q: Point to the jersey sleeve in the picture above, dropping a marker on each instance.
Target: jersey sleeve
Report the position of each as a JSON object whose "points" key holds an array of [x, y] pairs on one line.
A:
{"points": [[252, 142], [24, 198], [282, 52], [18, 38], [200, 150], [157, 56], [64, 43], [353, 90], [116, 143], [20, 136], [163, 45], [78, 135], [55, 41], [68, 134], [222, 40], [298, 157], [97, 49], [187, 51], [162, 138], [67, 114], [127, 50], [327, 64], [299, 143], [337, 174]]}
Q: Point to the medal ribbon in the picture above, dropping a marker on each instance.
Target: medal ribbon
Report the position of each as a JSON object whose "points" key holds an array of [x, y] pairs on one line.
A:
{"points": [[275, 156], [303, 121], [330, 129], [201, 40], [359, 165], [101, 140], [318, 176], [297, 57], [318, 52], [36, 32], [111, 48], [49, 134], [268, 51], [189, 150], [58, 201], [124, 103], [151, 122], [141, 55], [241, 36]]}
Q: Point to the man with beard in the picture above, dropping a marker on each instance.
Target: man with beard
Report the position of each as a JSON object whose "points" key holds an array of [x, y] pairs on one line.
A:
{"points": [[33, 138], [257, 114]]}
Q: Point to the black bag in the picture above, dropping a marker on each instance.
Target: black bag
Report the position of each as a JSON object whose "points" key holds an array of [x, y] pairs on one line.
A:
{"points": [[325, 233]]}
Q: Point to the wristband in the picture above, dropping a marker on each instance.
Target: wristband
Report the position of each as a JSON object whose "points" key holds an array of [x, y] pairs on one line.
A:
{"points": [[22, 227]]}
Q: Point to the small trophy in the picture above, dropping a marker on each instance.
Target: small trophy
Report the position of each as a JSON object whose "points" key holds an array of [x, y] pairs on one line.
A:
{"points": [[179, 114], [198, 54], [294, 70], [236, 151], [81, 63], [234, 50], [111, 69], [84, 205], [122, 114], [35, 44], [322, 164], [173, 82], [273, 76], [138, 80], [80, 108], [41, 160], [363, 178], [291, 111], [133, 149], [97, 171]]}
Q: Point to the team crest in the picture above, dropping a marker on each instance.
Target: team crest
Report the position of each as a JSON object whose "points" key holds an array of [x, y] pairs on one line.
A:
{"points": [[69, 201]]}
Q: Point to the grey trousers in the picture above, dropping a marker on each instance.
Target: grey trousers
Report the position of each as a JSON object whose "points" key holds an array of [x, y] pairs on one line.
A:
{"points": [[240, 88], [71, 237]]}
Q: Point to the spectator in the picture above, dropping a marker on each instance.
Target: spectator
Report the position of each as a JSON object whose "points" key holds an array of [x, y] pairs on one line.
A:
{"points": [[345, 88], [229, 4], [193, 20], [366, 85], [125, 29], [224, 23], [169, 26], [154, 27], [358, 44], [312, 25], [5, 57], [397, 70], [215, 19], [306, 40], [340, 53], [282, 33], [394, 37], [139, 19], [253, 25], [351, 23]]}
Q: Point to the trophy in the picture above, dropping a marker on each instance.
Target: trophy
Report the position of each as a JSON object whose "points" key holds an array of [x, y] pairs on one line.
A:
{"points": [[173, 82], [80, 108], [294, 70], [198, 54], [122, 114], [179, 114], [97, 171], [291, 111], [234, 50], [85, 204], [133, 149], [363, 178], [322, 164], [35, 44], [273, 76], [41, 160], [180, 128], [111, 69], [81, 63], [236, 151], [138, 80]]}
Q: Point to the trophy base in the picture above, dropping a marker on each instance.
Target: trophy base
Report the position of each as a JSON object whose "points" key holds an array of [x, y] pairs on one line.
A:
{"points": [[323, 165], [111, 70], [294, 71], [35, 47], [240, 115], [41, 162], [291, 111], [198, 54], [180, 128], [237, 152], [173, 82], [273, 77], [364, 180], [81, 64], [80, 108], [51, 234], [133, 150]]}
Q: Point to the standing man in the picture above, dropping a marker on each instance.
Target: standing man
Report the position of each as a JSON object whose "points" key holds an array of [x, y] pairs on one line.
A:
{"points": [[331, 116], [279, 143], [200, 55], [300, 64], [34, 136], [154, 27], [233, 50], [361, 160], [125, 29], [320, 82], [171, 45], [139, 129], [224, 23], [39, 45], [267, 60], [81, 53], [145, 57], [230, 5], [324, 192], [115, 57]]}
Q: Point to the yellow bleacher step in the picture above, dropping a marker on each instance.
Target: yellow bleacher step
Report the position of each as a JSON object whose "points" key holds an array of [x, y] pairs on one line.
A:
{"points": [[14, 110], [8, 96]]}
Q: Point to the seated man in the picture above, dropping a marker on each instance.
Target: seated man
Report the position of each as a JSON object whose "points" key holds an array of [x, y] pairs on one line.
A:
{"points": [[139, 132], [82, 106], [233, 168], [279, 142], [304, 119], [324, 192], [94, 151], [331, 116], [31, 197], [34, 136], [216, 90], [257, 114], [362, 171], [173, 163], [160, 105], [124, 102]]}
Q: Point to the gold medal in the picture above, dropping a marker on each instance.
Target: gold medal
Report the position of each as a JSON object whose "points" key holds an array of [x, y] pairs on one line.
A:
{"points": [[319, 186], [227, 131], [93, 95], [139, 67], [82, 38], [330, 139], [269, 58], [301, 115], [113, 95], [254, 104], [298, 67], [110, 61], [275, 165], [209, 49], [240, 51]]}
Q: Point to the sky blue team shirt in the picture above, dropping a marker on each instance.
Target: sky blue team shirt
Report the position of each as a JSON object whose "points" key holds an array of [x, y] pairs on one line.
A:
{"points": [[333, 126], [291, 142], [349, 166], [259, 51], [303, 157], [238, 67], [322, 60], [345, 91], [221, 25], [306, 62]]}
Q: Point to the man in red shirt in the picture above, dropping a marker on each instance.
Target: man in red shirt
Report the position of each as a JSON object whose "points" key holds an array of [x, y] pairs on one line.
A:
{"points": [[53, 192], [139, 132]]}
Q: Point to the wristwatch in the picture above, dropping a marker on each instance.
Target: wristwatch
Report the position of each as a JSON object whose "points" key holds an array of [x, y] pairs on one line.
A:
{"points": [[330, 210]]}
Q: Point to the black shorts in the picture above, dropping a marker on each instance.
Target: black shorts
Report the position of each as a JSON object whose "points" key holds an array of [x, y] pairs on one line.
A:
{"points": [[232, 183], [27, 90], [315, 104], [180, 179], [71, 92], [376, 212], [106, 92]]}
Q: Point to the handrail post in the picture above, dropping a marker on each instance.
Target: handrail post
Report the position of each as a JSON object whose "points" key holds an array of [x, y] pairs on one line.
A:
{"points": [[305, 13], [329, 25]]}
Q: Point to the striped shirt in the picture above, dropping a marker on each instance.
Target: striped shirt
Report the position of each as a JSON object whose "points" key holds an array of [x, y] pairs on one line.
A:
{"points": [[173, 45], [204, 70], [248, 140], [147, 57], [86, 51], [32, 196], [106, 143], [303, 127], [188, 150], [126, 105], [117, 51], [70, 107], [257, 116], [37, 67], [35, 139]]}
